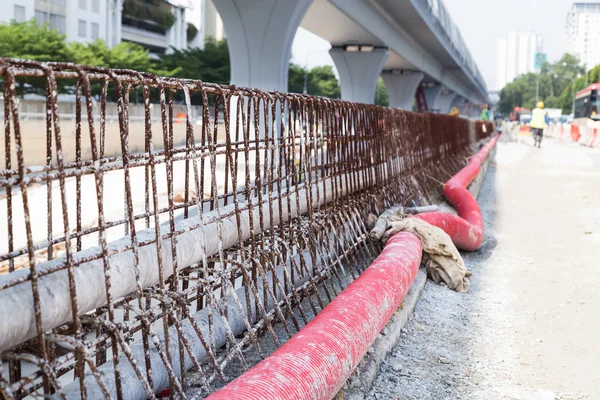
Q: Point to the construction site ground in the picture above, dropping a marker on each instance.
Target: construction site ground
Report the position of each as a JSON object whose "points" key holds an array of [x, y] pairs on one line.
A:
{"points": [[528, 327]]}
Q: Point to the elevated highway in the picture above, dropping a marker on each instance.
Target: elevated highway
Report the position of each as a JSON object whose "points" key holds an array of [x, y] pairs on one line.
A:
{"points": [[410, 43]]}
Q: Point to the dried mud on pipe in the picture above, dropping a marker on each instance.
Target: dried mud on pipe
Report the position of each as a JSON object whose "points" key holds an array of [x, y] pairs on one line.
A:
{"points": [[56, 301]]}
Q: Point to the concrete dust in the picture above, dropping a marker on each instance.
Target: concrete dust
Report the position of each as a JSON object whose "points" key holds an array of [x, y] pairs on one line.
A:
{"points": [[526, 329]]}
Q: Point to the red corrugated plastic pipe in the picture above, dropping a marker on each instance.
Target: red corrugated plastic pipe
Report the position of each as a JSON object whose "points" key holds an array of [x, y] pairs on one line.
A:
{"points": [[317, 361], [466, 229]]}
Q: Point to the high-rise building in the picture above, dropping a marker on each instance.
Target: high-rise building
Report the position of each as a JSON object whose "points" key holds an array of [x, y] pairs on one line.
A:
{"points": [[213, 22], [515, 56], [582, 33], [203, 14], [158, 26]]}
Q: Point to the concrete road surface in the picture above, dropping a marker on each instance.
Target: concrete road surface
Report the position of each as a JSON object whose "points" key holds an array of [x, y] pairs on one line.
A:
{"points": [[529, 328]]}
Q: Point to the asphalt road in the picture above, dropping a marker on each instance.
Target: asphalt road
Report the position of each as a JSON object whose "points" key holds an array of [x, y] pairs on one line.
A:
{"points": [[528, 328]]}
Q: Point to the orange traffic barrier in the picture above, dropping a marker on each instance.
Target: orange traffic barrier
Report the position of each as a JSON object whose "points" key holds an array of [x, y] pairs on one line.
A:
{"points": [[180, 118], [575, 134]]}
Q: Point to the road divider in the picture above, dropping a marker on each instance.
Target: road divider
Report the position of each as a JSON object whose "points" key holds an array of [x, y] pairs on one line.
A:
{"points": [[584, 135]]}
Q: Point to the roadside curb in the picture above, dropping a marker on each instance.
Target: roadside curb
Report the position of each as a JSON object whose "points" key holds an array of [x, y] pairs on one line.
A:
{"points": [[365, 374], [363, 377]]}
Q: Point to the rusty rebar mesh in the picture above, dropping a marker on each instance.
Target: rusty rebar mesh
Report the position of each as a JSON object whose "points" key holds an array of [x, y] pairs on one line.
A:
{"points": [[112, 277]]}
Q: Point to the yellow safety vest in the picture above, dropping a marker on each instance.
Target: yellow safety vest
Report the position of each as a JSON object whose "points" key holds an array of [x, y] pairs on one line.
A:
{"points": [[538, 119]]}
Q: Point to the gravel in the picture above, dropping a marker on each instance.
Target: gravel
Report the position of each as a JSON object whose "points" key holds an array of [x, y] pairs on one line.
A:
{"points": [[525, 329]]}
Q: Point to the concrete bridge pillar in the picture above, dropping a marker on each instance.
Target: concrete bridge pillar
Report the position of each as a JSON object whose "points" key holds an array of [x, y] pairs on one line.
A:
{"points": [[359, 71], [260, 35], [432, 92], [445, 101], [401, 87]]}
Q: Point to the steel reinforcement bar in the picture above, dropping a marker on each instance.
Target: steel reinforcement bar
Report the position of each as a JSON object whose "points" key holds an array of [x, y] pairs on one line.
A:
{"points": [[142, 255], [316, 362]]}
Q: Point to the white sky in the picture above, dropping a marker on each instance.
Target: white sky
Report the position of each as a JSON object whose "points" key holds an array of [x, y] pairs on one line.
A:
{"points": [[310, 50], [482, 23]]}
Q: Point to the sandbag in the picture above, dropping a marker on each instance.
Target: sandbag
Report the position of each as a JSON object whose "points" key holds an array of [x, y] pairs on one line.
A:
{"points": [[440, 256]]}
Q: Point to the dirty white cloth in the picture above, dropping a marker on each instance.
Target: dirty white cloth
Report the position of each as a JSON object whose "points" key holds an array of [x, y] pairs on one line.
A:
{"points": [[440, 256]]}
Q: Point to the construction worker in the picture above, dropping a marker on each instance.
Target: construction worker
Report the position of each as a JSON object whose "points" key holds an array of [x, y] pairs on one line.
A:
{"points": [[539, 120], [454, 112], [485, 113]]}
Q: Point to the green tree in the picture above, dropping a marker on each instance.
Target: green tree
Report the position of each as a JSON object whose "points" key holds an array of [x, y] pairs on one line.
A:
{"points": [[124, 56], [295, 78], [562, 87], [566, 97], [381, 95], [593, 75], [554, 88], [553, 102], [568, 65], [321, 81], [520, 93], [191, 32], [210, 64], [29, 41]]}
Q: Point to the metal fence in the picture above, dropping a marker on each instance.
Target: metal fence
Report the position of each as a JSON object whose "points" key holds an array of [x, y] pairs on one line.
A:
{"points": [[180, 265], [33, 107]]}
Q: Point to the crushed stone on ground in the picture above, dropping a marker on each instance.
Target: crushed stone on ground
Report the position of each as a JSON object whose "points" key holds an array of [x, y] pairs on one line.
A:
{"points": [[526, 329]]}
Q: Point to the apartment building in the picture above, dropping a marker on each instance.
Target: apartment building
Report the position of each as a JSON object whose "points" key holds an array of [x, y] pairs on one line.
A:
{"points": [[515, 55], [158, 25], [582, 33]]}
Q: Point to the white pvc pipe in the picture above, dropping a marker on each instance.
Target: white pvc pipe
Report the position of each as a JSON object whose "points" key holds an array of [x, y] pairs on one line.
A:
{"points": [[132, 388], [17, 310]]}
